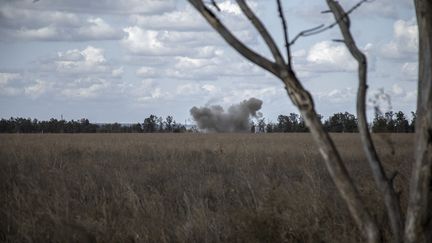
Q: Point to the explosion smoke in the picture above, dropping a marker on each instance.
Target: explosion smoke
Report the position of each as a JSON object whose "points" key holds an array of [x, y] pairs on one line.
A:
{"points": [[235, 119]]}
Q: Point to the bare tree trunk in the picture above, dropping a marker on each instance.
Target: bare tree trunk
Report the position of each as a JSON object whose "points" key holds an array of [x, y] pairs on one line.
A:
{"points": [[418, 227], [384, 184]]}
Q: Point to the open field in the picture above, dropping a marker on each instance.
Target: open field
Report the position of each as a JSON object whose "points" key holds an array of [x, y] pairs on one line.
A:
{"points": [[184, 187]]}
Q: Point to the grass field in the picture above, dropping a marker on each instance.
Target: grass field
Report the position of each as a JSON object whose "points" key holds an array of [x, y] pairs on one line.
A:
{"points": [[185, 187]]}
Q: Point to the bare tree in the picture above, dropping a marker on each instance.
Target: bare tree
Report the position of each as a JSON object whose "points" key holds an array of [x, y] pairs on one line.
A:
{"points": [[302, 99], [418, 226], [384, 184]]}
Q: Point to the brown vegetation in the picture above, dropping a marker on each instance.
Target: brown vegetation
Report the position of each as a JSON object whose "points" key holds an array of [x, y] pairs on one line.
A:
{"points": [[186, 187]]}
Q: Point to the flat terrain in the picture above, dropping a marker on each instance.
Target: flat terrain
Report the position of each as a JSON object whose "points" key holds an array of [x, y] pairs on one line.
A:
{"points": [[185, 187]]}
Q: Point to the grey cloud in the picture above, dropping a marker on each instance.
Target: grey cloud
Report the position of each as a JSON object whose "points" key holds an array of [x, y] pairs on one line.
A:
{"points": [[188, 20], [235, 119], [21, 22], [75, 74], [100, 6], [382, 9]]}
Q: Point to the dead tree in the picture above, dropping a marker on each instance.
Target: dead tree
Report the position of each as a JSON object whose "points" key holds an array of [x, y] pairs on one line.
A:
{"points": [[418, 224], [384, 184], [282, 69]]}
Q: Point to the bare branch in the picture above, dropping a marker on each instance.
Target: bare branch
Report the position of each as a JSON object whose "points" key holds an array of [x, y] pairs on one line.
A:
{"points": [[232, 40], [418, 227], [213, 2], [384, 184], [263, 32], [322, 28], [306, 33], [285, 29]]}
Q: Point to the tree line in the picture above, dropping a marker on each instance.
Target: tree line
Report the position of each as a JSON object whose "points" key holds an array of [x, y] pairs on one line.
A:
{"points": [[149, 125], [393, 122], [340, 122]]}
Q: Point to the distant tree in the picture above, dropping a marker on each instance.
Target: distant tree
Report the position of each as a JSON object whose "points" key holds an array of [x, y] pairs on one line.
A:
{"points": [[302, 127], [160, 124], [391, 123], [178, 128], [169, 123], [252, 127], [284, 124], [401, 123], [379, 123], [341, 122], [150, 124], [261, 125], [270, 127], [136, 128], [413, 121]]}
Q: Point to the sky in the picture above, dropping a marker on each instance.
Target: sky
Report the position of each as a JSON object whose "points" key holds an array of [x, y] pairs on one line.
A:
{"points": [[120, 61]]}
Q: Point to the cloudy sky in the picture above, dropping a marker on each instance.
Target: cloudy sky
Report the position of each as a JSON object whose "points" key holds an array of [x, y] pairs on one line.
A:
{"points": [[110, 60]]}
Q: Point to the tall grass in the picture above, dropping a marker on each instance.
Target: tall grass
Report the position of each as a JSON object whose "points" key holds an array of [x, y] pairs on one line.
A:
{"points": [[184, 187]]}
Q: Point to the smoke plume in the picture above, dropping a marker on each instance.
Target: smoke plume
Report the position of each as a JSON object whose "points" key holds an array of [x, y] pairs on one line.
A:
{"points": [[236, 119]]}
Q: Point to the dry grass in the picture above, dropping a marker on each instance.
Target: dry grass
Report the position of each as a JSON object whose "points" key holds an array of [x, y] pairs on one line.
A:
{"points": [[184, 187]]}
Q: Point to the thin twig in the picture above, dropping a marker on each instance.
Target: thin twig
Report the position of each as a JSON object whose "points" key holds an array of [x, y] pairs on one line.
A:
{"points": [[321, 28], [305, 33], [213, 2], [285, 29]]}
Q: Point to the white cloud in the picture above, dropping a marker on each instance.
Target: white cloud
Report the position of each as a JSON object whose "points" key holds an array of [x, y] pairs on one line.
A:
{"points": [[410, 96], [101, 6], [141, 41], [397, 89], [405, 41], [86, 88], [76, 74], [189, 68], [147, 90], [13, 84], [398, 93], [8, 84], [97, 28], [183, 32], [88, 60], [180, 20], [336, 95], [326, 56], [33, 24], [147, 72], [410, 71], [5, 78], [15, 17], [44, 33], [383, 8], [117, 72], [197, 89], [147, 42], [38, 88]]}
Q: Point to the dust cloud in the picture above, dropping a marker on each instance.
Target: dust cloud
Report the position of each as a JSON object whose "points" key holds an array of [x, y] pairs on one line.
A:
{"points": [[236, 119]]}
